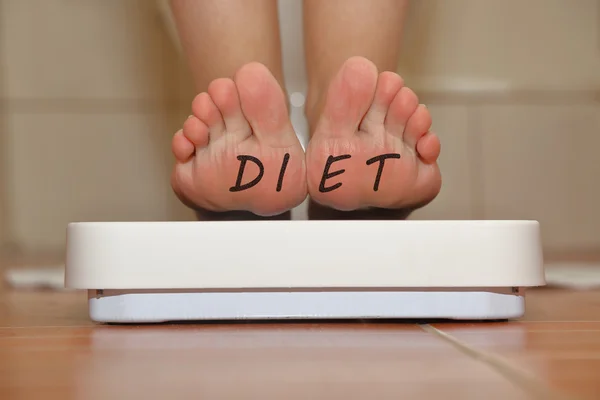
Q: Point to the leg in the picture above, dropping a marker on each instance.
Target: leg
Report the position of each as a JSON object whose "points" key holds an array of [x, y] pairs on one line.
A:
{"points": [[237, 155], [219, 36], [371, 154]]}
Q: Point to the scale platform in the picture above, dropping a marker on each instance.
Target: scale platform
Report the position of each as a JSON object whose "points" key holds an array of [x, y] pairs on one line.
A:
{"points": [[152, 272]]}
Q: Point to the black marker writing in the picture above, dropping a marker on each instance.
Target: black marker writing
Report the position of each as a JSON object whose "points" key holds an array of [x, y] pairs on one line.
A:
{"points": [[286, 159], [381, 160], [238, 183], [327, 174]]}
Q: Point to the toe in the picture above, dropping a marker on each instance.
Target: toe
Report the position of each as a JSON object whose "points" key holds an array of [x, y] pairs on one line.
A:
{"points": [[264, 104], [196, 131], [182, 147], [417, 125], [225, 95], [403, 106], [206, 111], [429, 147], [388, 85], [349, 97]]}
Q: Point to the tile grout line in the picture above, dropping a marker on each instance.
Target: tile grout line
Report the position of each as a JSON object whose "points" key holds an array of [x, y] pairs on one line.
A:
{"points": [[5, 234], [45, 327], [566, 321], [549, 97], [477, 175], [555, 330], [3, 130], [518, 376]]}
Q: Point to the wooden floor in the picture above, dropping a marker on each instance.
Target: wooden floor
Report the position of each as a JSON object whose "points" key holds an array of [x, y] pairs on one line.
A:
{"points": [[50, 350]]}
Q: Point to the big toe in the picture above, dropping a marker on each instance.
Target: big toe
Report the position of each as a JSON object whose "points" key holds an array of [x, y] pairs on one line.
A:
{"points": [[349, 97], [264, 104]]}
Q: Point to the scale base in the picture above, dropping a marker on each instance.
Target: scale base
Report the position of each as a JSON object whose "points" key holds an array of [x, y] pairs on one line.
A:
{"points": [[119, 306], [279, 270]]}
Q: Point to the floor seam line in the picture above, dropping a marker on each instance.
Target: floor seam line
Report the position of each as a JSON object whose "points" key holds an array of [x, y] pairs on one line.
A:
{"points": [[522, 378], [45, 327]]}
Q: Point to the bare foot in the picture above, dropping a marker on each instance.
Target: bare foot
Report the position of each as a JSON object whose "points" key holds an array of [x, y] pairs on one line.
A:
{"points": [[238, 151], [371, 145]]}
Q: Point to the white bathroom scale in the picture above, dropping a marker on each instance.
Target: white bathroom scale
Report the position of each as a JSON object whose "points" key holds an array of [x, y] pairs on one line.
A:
{"points": [[150, 272]]}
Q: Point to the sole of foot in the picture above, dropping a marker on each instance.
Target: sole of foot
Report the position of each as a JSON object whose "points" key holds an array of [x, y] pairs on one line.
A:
{"points": [[238, 150], [371, 146]]}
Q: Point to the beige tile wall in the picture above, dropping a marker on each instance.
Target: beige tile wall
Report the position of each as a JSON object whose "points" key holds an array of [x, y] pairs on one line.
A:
{"points": [[92, 92], [541, 162], [457, 197], [499, 45], [522, 80], [92, 97]]}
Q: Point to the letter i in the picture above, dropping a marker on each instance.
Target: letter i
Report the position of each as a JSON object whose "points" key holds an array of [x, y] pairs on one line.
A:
{"points": [[284, 165]]}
